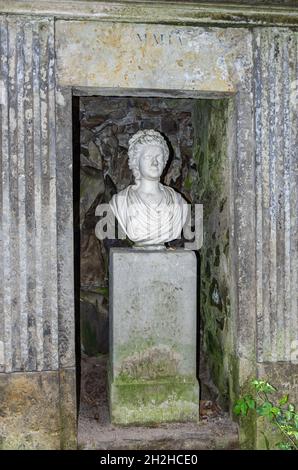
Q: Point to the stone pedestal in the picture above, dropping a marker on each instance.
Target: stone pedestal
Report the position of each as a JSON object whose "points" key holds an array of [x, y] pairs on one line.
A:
{"points": [[152, 370]]}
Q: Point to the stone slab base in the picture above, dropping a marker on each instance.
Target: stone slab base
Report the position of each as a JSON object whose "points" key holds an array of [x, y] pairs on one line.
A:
{"points": [[154, 402], [38, 410]]}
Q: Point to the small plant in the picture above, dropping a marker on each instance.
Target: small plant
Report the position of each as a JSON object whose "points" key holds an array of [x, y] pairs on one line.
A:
{"points": [[279, 412]]}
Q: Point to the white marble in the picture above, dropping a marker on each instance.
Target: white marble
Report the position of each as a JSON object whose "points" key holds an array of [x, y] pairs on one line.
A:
{"points": [[148, 212]]}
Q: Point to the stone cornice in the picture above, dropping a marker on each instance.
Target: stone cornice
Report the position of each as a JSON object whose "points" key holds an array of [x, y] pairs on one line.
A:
{"points": [[176, 13]]}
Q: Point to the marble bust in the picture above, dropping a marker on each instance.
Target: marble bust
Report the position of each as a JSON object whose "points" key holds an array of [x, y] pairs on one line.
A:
{"points": [[149, 213]]}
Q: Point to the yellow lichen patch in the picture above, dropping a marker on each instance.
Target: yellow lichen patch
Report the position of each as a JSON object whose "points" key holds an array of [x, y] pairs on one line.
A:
{"points": [[21, 393]]}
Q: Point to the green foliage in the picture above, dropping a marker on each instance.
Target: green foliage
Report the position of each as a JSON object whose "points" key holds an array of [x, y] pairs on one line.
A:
{"points": [[244, 404], [279, 412]]}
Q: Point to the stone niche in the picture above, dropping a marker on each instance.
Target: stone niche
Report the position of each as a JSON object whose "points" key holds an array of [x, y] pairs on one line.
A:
{"points": [[196, 131], [237, 70], [105, 126]]}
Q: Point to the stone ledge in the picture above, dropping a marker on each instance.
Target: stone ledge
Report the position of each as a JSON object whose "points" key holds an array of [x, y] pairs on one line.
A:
{"points": [[180, 13]]}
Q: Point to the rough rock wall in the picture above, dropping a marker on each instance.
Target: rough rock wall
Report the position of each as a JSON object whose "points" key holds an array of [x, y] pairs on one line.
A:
{"points": [[212, 190], [106, 124]]}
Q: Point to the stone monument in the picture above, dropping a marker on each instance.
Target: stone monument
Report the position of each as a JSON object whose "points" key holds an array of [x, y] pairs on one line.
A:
{"points": [[152, 370]]}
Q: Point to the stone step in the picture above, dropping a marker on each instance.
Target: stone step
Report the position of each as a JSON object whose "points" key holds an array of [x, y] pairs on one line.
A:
{"points": [[215, 430], [214, 434]]}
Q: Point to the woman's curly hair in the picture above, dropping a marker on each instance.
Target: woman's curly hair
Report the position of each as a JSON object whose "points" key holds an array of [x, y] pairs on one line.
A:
{"points": [[148, 136]]}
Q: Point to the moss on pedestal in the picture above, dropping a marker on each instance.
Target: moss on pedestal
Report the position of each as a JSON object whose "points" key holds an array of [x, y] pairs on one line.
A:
{"points": [[174, 399]]}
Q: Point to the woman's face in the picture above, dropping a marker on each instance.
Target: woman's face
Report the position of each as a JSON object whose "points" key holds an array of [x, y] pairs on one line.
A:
{"points": [[151, 161]]}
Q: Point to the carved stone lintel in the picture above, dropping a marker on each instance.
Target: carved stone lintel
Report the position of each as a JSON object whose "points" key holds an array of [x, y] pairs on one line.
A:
{"points": [[193, 14]]}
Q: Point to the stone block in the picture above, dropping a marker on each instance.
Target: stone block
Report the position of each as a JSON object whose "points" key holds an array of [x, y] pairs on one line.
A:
{"points": [[38, 410], [152, 371]]}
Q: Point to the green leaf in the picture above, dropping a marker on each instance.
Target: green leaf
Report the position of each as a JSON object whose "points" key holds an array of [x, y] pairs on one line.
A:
{"points": [[265, 409], [288, 415], [283, 400], [262, 386], [284, 446], [268, 410], [241, 407], [293, 433], [275, 411], [255, 382], [238, 407], [268, 388], [250, 402], [283, 417], [244, 409]]}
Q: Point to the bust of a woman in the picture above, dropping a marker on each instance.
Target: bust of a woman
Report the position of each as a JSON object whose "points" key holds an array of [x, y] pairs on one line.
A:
{"points": [[148, 212]]}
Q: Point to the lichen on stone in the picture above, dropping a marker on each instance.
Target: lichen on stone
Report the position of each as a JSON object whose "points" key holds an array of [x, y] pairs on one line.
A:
{"points": [[152, 363]]}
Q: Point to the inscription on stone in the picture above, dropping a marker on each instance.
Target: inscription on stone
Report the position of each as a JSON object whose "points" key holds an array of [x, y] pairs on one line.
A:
{"points": [[146, 56], [161, 39]]}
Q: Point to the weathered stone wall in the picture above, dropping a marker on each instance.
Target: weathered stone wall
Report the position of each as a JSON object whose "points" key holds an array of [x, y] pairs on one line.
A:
{"points": [[256, 67], [32, 338], [276, 123], [276, 96], [28, 199]]}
